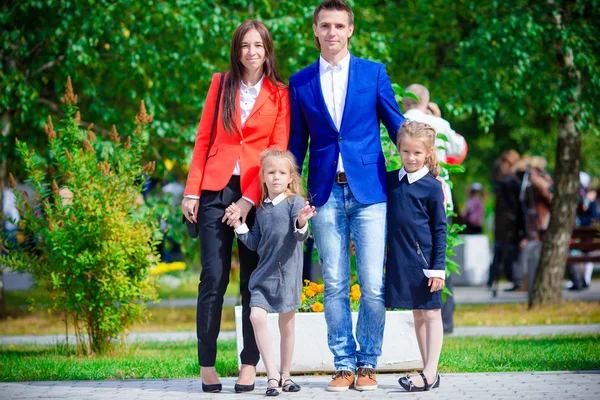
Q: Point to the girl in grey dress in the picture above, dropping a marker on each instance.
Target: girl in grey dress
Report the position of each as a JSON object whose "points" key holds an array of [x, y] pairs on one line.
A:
{"points": [[276, 284]]}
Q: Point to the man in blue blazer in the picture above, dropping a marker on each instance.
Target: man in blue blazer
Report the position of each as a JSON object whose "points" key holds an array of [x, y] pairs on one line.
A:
{"points": [[338, 103]]}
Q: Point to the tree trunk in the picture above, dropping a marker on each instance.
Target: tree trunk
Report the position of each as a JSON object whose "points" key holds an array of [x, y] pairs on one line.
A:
{"points": [[547, 287]]}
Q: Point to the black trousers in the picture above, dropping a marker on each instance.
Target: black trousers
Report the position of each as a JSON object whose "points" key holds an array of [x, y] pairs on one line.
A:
{"points": [[216, 241], [505, 255]]}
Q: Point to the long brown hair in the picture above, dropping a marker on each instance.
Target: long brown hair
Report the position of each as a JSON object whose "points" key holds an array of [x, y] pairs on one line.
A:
{"points": [[236, 68], [295, 186], [425, 133]]}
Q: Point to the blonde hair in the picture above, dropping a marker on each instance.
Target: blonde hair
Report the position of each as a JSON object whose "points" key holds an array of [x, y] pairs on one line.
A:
{"points": [[295, 186], [426, 134]]}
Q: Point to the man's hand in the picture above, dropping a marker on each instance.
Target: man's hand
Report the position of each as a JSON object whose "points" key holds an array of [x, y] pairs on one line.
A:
{"points": [[190, 209], [435, 284], [305, 214]]}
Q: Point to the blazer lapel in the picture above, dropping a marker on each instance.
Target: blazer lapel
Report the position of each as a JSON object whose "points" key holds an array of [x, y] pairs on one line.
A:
{"points": [[237, 118], [353, 74], [318, 95], [266, 92]]}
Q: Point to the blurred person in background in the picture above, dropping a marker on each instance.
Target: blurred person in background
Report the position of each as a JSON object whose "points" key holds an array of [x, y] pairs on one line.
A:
{"points": [[506, 224], [474, 212], [587, 214]]}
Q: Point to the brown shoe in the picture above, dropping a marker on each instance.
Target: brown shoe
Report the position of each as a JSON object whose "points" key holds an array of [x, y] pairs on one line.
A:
{"points": [[366, 379], [342, 381]]}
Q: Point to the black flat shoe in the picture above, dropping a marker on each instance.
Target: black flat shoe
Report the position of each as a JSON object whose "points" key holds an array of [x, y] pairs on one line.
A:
{"points": [[289, 385], [409, 386], [243, 388], [217, 387], [273, 391]]}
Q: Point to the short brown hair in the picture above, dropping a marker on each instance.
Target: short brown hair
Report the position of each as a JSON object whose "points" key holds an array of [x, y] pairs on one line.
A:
{"points": [[336, 5]]}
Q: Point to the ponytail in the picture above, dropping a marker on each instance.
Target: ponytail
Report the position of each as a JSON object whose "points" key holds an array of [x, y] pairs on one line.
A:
{"points": [[432, 163]]}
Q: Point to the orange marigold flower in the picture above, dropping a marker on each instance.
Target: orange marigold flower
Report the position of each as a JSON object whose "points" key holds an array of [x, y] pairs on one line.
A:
{"points": [[314, 287], [306, 281], [317, 307], [310, 293], [355, 296], [321, 288], [302, 298], [355, 288]]}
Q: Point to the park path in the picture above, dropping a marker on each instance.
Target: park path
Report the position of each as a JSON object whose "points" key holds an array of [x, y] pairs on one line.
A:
{"points": [[481, 386]]}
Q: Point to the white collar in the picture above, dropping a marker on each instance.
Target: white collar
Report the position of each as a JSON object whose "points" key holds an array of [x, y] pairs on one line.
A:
{"points": [[257, 86], [413, 176], [344, 62], [277, 199]]}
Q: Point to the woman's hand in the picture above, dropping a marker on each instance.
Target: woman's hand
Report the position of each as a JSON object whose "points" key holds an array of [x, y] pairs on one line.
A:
{"points": [[190, 208], [242, 208], [305, 214], [233, 219], [435, 284]]}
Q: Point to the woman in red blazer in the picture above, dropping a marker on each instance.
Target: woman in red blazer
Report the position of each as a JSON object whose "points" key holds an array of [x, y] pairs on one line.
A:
{"points": [[254, 114]]}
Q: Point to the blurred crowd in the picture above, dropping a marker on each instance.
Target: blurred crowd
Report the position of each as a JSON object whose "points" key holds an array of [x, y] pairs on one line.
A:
{"points": [[523, 191]]}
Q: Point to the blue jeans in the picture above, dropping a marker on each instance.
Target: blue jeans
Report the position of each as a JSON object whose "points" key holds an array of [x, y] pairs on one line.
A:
{"points": [[338, 220]]}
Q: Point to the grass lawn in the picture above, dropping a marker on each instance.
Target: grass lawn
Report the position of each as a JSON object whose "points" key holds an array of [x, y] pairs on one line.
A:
{"points": [[569, 312], [184, 319], [160, 320], [178, 359]]}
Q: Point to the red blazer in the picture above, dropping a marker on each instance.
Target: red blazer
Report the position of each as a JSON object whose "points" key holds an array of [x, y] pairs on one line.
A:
{"points": [[268, 125]]}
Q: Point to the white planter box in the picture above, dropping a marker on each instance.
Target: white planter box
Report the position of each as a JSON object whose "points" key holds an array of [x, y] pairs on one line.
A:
{"points": [[311, 354], [474, 259]]}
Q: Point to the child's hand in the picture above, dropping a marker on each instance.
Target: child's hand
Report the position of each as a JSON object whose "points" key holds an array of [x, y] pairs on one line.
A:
{"points": [[435, 284], [305, 214], [232, 216]]}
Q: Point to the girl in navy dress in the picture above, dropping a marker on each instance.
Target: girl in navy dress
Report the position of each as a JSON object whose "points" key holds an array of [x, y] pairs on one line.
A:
{"points": [[416, 268]]}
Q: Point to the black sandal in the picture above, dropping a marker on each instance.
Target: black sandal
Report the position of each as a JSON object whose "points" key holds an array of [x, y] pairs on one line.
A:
{"points": [[288, 385], [273, 391], [409, 386]]}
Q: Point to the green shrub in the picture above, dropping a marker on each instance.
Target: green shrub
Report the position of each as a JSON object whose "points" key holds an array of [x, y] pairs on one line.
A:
{"points": [[94, 240]]}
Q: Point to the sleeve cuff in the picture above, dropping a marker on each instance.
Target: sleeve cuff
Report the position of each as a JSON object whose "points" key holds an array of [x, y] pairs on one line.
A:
{"points": [[243, 228], [191, 196], [249, 200], [300, 230], [435, 273]]}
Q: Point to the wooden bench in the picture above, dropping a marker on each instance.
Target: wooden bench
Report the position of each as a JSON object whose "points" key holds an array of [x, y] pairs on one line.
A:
{"points": [[585, 239]]}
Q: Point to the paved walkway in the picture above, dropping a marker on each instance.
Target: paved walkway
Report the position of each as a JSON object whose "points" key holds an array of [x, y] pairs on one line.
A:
{"points": [[480, 386], [464, 331]]}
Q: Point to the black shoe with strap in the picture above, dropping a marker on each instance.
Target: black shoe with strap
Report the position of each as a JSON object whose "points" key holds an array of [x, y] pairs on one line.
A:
{"points": [[409, 386], [273, 390], [288, 385]]}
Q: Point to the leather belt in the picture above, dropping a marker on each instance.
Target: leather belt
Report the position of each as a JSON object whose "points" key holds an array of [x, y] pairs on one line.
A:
{"points": [[340, 177]]}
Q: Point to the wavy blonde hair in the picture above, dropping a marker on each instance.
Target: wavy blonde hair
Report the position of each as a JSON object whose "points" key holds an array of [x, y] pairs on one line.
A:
{"points": [[295, 186], [426, 134]]}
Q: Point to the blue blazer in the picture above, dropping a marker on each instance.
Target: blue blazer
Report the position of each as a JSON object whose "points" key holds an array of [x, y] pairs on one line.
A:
{"points": [[369, 100]]}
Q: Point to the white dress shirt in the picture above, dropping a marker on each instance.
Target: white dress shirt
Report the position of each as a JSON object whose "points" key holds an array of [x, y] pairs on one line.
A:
{"points": [[334, 84], [248, 96]]}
